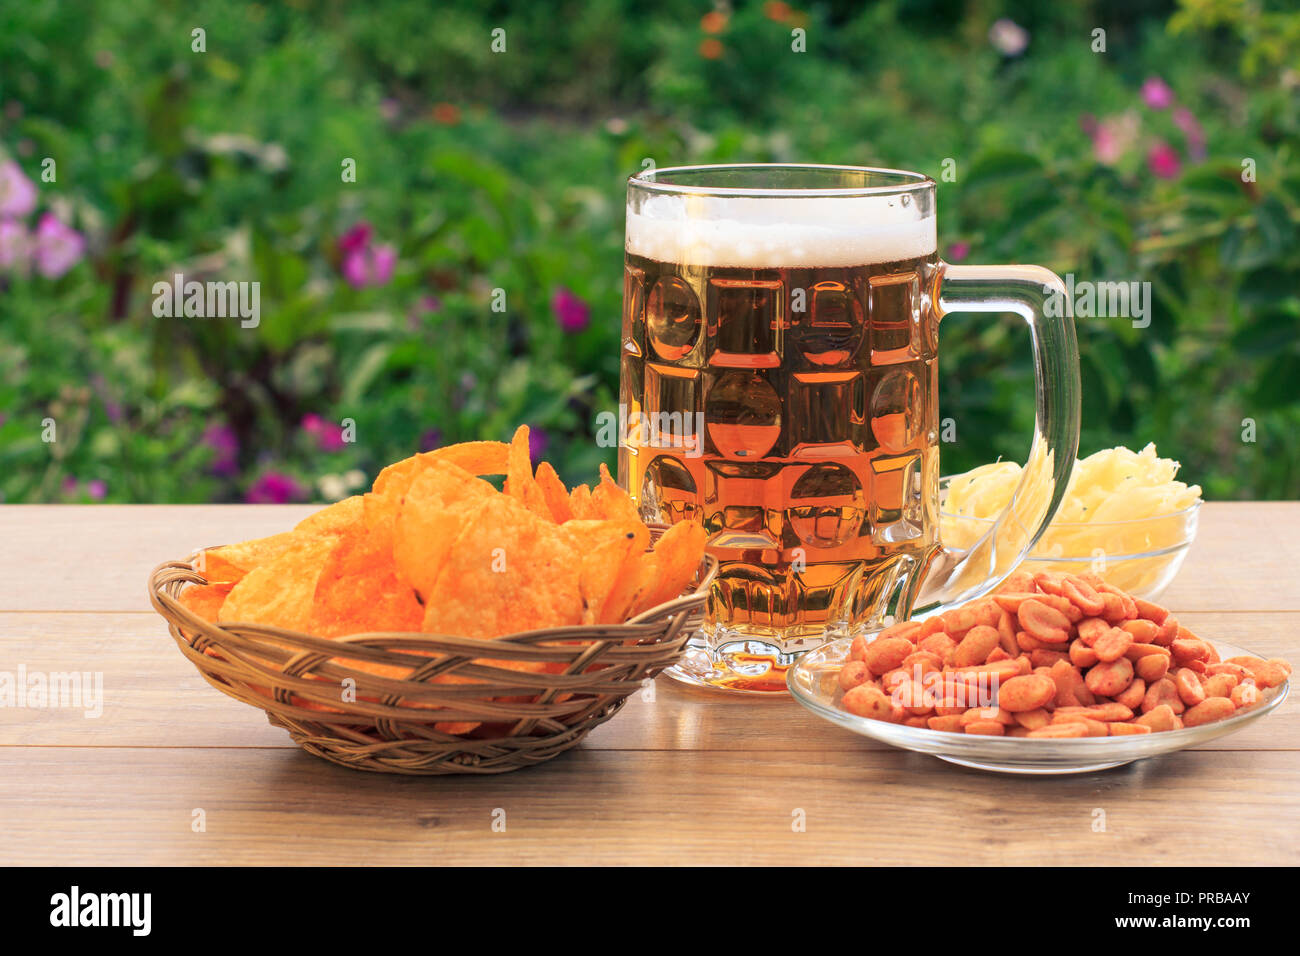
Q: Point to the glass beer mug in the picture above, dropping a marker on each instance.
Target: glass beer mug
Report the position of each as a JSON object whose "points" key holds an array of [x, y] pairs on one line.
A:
{"points": [[779, 379]]}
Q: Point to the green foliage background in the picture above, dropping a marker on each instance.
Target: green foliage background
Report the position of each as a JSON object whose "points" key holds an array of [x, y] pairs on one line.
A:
{"points": [[491, 170]]}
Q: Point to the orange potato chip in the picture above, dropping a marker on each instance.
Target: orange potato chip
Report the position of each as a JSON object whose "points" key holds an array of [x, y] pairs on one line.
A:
{"points": [[476, 457], [519, 479], [229, 563], [431, 515], [205, 600], [358, 590], [676, 558], [580, 503], [281, 592], [507, 571], [606, 547], [611, 501], [336, 517], [554, 492]]}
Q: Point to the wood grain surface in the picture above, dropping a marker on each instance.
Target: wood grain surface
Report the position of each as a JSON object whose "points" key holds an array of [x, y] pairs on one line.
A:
{"points": [[680, 776]]}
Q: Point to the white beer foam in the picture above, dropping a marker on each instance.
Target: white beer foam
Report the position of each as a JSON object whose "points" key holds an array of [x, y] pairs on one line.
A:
{"points": [[766, 233]]}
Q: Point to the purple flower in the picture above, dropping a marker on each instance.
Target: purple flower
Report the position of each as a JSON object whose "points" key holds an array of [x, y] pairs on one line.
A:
{"points": [[537, 442], [1162, 159], [222, 440], [17, 192], [1008, 37], [58, 247], [571, 313], [14, 244], [1192, 131], [427, 305], [97, 489], [431, 439], [356, 238], [1157, 94], [70, 486], [372, 265], [958, 251], [328, 435], [274, 488]]}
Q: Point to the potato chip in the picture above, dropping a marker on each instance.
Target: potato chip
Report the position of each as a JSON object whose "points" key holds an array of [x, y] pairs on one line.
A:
{"points": [[507, 571], [431, 515], [611, 501], [205, 600], [676, 559], [281, 592], [476, 457], [605, 547], [336, 517], [519, 479], [580, 503], [229, 563], [556, 495], [358, 590]]}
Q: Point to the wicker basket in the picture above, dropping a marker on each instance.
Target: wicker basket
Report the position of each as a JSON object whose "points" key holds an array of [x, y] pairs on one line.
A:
{"points": [[388, 724]]}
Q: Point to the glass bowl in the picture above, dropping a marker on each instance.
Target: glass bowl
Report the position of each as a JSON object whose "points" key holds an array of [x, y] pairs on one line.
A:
{"points": [[1142, 556], [814, 682]]}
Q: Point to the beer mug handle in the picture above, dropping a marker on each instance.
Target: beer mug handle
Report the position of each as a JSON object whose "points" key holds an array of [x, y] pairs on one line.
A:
{"points": [[956, 577]]}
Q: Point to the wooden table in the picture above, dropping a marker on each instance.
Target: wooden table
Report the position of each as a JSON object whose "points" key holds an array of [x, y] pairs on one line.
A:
{"points": [[688, 777]]}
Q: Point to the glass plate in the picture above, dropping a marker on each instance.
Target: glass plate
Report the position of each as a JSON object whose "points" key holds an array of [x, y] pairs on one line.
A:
{"points": [[813, 681]]}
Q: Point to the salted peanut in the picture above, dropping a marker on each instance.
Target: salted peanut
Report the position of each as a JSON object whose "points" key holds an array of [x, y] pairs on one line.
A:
{"points": [[1050, 582], [1060, 730], [1208, 711], [986, 611], [1220, 685], [1027, 643], [1016, 581], [1267, 674], [1121, 729], [1189, 686], [1130, 607], [1278, 662], [931, 625], [998, 654], [1189, 649], [958, 621], [854, 673], [1109, 712], [997, 671], [984, 713], [1245, 693], [904, 629], [923, 659], [858, 649], [868, 700], [976, 646], [1133, 695], [1081, 655], [1096, 728], [951, 723], [940, 645], [1026, 693], [987, 728], [1110, 677], [1158, 718], [1113, 645], [1113, 611], [1082, 595], [1043, 623], [1033, 719], [1152, 667], [1045, 658], [1144, 632], [1071, 689], [914, 698], [1163, 692], [1007, 633], [885, 654], [1168, 631], [1017, 732], [1064, 605], [1011, 600], [1225, 667], [1150, 612], [1136, 651], [922, 722], [1092, 628]]}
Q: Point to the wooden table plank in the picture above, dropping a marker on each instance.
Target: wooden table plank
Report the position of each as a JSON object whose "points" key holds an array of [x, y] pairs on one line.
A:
{"points": [[91, 806], [98, 557], [153, 696]]}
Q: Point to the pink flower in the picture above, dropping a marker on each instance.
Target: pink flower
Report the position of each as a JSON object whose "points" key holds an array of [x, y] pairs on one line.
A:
{"points": [[222, 440], [1192, 132], [17, 192], [1114, 136], [14, 244], [274, 488], [97, 489], [372, 265], [571, 313], [328, 435], [958, 251], [1162, 159], [58, 247], [1157, 94], [356, 238]]}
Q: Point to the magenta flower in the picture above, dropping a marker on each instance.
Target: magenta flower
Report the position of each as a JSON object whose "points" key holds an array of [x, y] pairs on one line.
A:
{"points": [[356, 238], [328, 435], [97, 489], [537, 442], [571, 312], [58, 247], [372, 265], [958, 251], [17, 192], [1162, 159], [1157, 94], [14, 245], [70, 486], [1192, 132], [274, 488], [222, 440]]}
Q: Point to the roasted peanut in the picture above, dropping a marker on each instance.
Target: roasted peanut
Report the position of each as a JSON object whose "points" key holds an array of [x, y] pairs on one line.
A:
{"points": [[1020, 694], [976, 646], [854, 673], [1043, 623], [1110, 678], [884, 654], [1208, 711], [1113, 645], [1188, 683]]}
